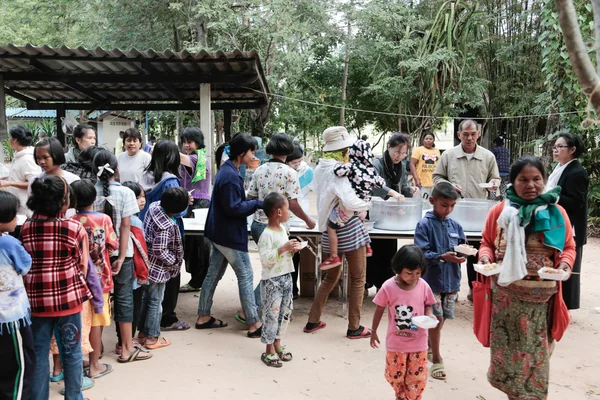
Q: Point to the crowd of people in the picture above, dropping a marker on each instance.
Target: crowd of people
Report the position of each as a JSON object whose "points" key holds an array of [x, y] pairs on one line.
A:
{"points": [[101, 225]]}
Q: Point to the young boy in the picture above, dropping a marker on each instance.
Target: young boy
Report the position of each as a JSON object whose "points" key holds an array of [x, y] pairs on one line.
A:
{"points": [[102, 241], [436, 235], [276, 252], [165, 250], [16, 339]]}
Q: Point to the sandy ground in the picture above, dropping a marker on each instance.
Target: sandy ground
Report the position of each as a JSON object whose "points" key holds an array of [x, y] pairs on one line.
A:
{"points": [[225, 364]]}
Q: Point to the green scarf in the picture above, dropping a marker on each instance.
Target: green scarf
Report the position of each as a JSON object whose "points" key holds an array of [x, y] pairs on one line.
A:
{"points": [[550, 221], [337, 155], [200, 172]]}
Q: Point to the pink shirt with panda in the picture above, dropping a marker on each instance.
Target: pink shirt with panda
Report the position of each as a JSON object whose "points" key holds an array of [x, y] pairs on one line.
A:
{"points": [[402, 335]]}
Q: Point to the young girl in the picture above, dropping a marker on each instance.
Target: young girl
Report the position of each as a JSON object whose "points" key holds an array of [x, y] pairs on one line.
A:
{"points": [[166, 255], [363, 178], [276, 251], [406, 295], [119, 204], [16, 340], [103, 240], [162, 174], [58, 248]]}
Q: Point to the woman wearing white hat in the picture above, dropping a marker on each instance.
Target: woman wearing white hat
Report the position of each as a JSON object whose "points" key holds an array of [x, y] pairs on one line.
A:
{"points": [[352, 237]]}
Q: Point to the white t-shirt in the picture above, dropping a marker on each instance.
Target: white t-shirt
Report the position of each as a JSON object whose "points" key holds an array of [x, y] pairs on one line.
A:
{"points": [[23, 169], [131, 168], [274, 264]]}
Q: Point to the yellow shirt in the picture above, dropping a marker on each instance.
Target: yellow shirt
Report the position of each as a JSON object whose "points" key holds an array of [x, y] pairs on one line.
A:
{"points": [[427, 160], [118, 146]]}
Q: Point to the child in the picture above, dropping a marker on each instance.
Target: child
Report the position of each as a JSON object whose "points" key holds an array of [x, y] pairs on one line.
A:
{"points": [[119, 204], [166, 255], [276, 287], [59, 251], [16, 339], [436, 235], [140, 257], [406, 296], [364, 179], [102, 240]]}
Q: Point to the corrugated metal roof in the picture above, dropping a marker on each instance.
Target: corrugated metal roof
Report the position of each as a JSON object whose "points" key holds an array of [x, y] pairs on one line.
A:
{"points": [[134, 79], [23, 113]]}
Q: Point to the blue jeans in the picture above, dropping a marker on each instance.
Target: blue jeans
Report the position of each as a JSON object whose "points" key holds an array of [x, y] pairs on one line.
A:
{"points": [[69, 328], [256, 231], [240, 262], [123, 292], [151, 312]]}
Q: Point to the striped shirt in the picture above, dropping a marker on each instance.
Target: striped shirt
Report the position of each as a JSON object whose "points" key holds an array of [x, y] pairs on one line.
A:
{"points": [[351, 236]]}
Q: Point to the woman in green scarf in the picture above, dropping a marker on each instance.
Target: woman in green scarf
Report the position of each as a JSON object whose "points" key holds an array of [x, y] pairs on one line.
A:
{"points": [[528, 313], [195, 178]]}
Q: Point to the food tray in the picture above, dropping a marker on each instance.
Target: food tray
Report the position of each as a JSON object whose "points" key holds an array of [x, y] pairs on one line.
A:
{"points": [[560, 276], [465, 249], [425, 322], [481, 269]]}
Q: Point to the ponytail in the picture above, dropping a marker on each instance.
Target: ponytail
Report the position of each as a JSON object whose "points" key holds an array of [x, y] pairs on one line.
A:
{"points": [[105, 167]]}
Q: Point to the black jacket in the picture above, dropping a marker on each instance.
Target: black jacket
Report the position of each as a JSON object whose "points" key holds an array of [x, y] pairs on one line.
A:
{"points": [[574, 182]]}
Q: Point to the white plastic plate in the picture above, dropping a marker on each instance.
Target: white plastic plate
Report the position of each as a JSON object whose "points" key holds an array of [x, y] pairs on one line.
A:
{"points": [[303, 245], [469, 251], [425, 322], [561, 276], [481, 269]]}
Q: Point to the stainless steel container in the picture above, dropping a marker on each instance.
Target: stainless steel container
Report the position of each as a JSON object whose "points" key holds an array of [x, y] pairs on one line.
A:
{"points": [[472, 213], [393, 215]]}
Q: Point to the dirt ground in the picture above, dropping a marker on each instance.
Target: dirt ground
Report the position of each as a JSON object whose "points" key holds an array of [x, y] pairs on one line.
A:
{"points": [[225, 364]]}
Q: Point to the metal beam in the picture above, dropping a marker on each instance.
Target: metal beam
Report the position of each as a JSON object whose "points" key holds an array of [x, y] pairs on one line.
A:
{"points": [[146, 106], [18, 96], [60, 114], [127, 59]]}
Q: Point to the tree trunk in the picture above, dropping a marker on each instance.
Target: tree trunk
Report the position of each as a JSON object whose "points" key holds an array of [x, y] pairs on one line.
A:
{"points": [[582, 65], [345, 78], [596, 9]]}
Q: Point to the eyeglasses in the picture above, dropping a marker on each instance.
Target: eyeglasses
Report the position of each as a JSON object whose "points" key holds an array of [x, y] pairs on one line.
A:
{"points": [[558, 148]]}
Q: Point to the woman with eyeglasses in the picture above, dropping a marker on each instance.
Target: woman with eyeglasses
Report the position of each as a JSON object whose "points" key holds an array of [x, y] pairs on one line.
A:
{"points": [[391, 168], [570, 175]]}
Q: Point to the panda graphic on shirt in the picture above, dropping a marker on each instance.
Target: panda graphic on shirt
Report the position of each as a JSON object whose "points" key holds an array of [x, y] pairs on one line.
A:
{"points": [[404, 324]]}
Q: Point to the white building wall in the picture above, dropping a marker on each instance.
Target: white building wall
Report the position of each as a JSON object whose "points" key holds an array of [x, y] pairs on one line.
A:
{"points": [[109, 128]]}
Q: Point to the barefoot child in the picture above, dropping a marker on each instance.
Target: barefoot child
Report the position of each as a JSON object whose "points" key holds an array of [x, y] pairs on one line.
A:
{"points": [[364, 179], [436, 235], [165, 249], [276, 287], [103, 240], [16, 340], [59, 251], [406, 296]]}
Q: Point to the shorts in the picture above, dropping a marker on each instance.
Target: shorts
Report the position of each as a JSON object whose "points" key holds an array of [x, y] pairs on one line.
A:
{"points": [[445, 305], [103, 319]]}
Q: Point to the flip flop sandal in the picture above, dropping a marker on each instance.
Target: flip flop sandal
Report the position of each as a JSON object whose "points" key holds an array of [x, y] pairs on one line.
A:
{"points": [[57, 378], [135, 355], [255, 334], [271, 360], [160, 343], [187, 288], [86, 383], [285, 355], [438, 372], [239, 319], [177, 326], [360, 333], [107, 370], [211, 324], [316, 327]]}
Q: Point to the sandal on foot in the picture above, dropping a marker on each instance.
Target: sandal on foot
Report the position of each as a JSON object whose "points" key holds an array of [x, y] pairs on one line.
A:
{"points": [[136, 355], [360, 333], [187, 288], [211, 324], [177, 326], [107, 370], [271, 360], [284, 355], [160, 343], [57, 378], [438, 372], [239, 319], [86, 383], [430, 355], [310, 328], [255, 334]]}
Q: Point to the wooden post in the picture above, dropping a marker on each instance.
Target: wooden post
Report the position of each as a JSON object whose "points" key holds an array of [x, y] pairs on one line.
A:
{"points": [[60, 114], [3, 122], [227, 124], [205, 124]]}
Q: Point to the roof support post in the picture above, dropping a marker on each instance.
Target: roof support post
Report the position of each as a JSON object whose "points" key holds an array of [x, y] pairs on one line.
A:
{"points": [[227, 124], [205, 124], [3, 122], [60, 114]]}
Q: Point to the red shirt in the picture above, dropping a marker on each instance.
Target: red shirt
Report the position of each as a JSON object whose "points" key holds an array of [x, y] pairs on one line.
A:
{"points": [[103, 240], [55, 284]]}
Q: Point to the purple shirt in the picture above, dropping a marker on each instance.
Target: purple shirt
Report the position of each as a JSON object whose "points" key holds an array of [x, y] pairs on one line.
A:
{"points": [[187, 174]]}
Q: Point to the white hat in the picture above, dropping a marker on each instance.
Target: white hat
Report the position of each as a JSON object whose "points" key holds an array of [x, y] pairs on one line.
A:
{"points": [[336, 138]]}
